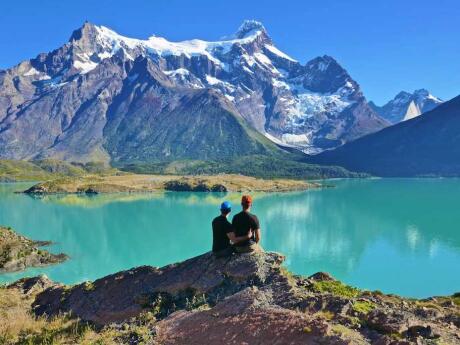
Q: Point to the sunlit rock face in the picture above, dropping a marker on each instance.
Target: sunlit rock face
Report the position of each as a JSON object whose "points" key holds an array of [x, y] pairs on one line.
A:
{"points": [[103, 96]]}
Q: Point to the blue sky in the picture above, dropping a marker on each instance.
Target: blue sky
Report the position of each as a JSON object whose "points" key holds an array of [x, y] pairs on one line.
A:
{"points": [[387, 46]]}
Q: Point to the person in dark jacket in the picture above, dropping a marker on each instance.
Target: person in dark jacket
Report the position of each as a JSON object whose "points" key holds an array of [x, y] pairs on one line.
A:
{"points": [[246, 224], [223, 235]]}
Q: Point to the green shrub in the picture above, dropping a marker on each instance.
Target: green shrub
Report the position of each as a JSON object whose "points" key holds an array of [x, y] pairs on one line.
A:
{"points": [[363, 307], [336, 288], [456, 298]]}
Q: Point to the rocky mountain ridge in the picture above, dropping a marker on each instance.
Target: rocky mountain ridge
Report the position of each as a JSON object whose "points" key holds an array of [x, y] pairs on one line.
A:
{"points": [[406, 106], [103, 96]]}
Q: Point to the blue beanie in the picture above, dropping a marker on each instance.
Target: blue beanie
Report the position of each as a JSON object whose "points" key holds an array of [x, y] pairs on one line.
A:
{"points": [[225, 206]]}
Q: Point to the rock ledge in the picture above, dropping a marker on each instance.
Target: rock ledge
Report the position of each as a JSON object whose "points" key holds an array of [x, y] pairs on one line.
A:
{"points": [[250, 298]]}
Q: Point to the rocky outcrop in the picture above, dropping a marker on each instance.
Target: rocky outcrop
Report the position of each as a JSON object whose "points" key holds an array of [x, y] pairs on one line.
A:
{"points": [[18, 252], [123, 295], [32, 286], [250, 298], [247, 317]]}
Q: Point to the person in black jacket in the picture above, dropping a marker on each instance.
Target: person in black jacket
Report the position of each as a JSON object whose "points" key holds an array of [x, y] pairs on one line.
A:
{"points": [[246, 224], [222, 233]]}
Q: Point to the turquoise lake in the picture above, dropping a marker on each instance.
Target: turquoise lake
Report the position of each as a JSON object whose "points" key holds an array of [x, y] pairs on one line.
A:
{"points": [[395, 235]]}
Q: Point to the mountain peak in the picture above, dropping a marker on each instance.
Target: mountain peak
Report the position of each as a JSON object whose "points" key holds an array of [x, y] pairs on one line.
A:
{"points": [[406, 105], [403, 94], [249, 28], [325, 74], [324, 62], [86, 30], [421, 92], [423, 95]]}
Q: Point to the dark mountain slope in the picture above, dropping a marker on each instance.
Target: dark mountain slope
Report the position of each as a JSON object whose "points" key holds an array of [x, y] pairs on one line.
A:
{"points": [[426, 145], [202, 126], [153, 120]]}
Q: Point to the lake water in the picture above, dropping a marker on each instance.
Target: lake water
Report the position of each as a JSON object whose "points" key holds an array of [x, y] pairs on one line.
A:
{"points": [[395, 235]]}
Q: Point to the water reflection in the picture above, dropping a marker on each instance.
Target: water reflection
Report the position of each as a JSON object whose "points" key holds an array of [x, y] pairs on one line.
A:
{"points": [[98, 200], [91, 201]]}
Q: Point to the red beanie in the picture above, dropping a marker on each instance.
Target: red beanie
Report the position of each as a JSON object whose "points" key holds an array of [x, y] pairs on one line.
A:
{"points": [[246, 200]]}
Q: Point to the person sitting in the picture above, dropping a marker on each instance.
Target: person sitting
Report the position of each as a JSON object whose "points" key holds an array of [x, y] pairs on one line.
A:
{"points": [[222, 233], [246, 224]]}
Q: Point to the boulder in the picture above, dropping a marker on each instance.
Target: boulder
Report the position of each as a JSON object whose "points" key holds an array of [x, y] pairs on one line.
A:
{"points": [[28, 286], [387, 322], [321, 276], [422, 331], [247, 317]]}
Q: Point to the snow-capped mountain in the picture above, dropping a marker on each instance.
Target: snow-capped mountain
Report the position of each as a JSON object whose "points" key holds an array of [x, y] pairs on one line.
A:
{"points": [[407, 105], [109, 97]]}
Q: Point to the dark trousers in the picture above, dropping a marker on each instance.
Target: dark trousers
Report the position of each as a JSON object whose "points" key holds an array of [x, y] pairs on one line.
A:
{"points": [[254, 247], [223, 253]]}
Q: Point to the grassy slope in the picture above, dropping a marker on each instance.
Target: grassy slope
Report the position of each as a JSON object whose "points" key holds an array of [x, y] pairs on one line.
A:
{"points": [[278, 165], [255, 165], [22, 171], [48, 169], [19, 325], [204, 126]]}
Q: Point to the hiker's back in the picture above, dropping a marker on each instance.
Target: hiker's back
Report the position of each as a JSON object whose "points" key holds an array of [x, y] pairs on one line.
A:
{"points": [[220, 227], [242, 223]]}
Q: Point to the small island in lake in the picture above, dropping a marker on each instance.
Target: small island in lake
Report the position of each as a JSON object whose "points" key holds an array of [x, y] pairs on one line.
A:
{"points": [[152, 183], [18, 252]]}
